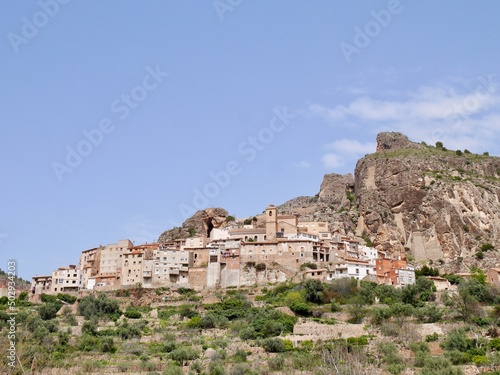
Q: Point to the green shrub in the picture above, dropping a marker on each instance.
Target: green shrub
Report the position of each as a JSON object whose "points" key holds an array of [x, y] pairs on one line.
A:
{"points": [[480, 360], [173, 369], [300, 308], [107, 345], [184, 354], [66, 298], [308, 265], [100, 307], [49, 310], [240, 356], [87, 343], [90, 327], [335, 306], [273, 345], [276, 363], [486, 247], [432, 337], [456, 340], [456, 357], [132, 314]]}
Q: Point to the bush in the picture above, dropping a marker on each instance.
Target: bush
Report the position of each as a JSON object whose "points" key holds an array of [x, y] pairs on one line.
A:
{"points": [[308, 265], [273, 345], [66, 298], [334, 306], [107, 345], [90, 327], [314, 290], [456, 357], [480, 360], [133, 314], [432, 337], [87, 343], [486, 247], [240, 356], [49, 310], [100, 307], [276, 363], [456, 340], [300, 308], [182, 355]]}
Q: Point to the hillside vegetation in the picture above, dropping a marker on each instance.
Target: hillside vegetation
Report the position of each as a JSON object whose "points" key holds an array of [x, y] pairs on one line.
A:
{"points": [[340, 327]]}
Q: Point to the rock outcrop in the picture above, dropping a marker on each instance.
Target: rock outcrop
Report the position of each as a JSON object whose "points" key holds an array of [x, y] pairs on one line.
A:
{"points": [[429, 202], [200, 224]]}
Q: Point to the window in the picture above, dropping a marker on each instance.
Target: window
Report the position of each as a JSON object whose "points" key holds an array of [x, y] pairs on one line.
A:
{"points": [[357, 270]]}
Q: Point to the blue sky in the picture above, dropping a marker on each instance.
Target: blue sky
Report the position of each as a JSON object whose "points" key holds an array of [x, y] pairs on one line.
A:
{"points": [[119, 117]]}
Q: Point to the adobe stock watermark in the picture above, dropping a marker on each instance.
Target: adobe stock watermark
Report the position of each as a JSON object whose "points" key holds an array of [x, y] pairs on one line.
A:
{"points": [[11, 302], [121, 107], [248, 150], [467, 107], [31, 26], [364, 36], [223, 6]]}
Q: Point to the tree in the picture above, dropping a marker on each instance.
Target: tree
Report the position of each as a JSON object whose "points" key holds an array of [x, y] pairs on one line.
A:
{"points": [[458, 152], [314, 291], [439, 144], [48, 311]]}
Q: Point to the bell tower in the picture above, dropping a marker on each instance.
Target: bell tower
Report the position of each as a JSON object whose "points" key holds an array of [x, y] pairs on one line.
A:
{"points": [[271, 223]]}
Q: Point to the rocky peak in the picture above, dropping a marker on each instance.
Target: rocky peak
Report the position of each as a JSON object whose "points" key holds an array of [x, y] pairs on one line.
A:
{"points": [[394, 141], [200, 224]]}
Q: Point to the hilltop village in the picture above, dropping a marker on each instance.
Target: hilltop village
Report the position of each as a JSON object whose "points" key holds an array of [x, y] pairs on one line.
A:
{"points": [[285, 249]]}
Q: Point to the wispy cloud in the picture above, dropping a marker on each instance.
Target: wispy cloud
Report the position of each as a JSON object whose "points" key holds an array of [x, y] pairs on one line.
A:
{"points": [[345, 151], [302, 164], [461, 118]]}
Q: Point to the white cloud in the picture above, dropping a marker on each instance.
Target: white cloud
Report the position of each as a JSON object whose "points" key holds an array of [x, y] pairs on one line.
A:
{"points": [[345, 151], [302, 164], [460, 118], [332, 160]]}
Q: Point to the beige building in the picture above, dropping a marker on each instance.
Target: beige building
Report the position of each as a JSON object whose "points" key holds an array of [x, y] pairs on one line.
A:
{"points": [[319, 229], [66, 280], [41, 284], [89, 264], [131, 269], [172, 267], [193, 242], [493, 276], [111, 257]]}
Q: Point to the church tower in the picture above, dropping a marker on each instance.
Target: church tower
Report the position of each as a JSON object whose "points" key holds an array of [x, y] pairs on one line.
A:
{"points": [[271, 223]]}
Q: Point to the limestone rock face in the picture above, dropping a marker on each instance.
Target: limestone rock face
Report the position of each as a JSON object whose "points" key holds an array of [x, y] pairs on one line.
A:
{"points": [[202, 222], [334, 204], [431, 203]]}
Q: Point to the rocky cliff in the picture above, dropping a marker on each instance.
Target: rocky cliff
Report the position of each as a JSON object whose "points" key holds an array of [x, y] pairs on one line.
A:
{"points": [[408, 198], [200, 224], [430, 202]]}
